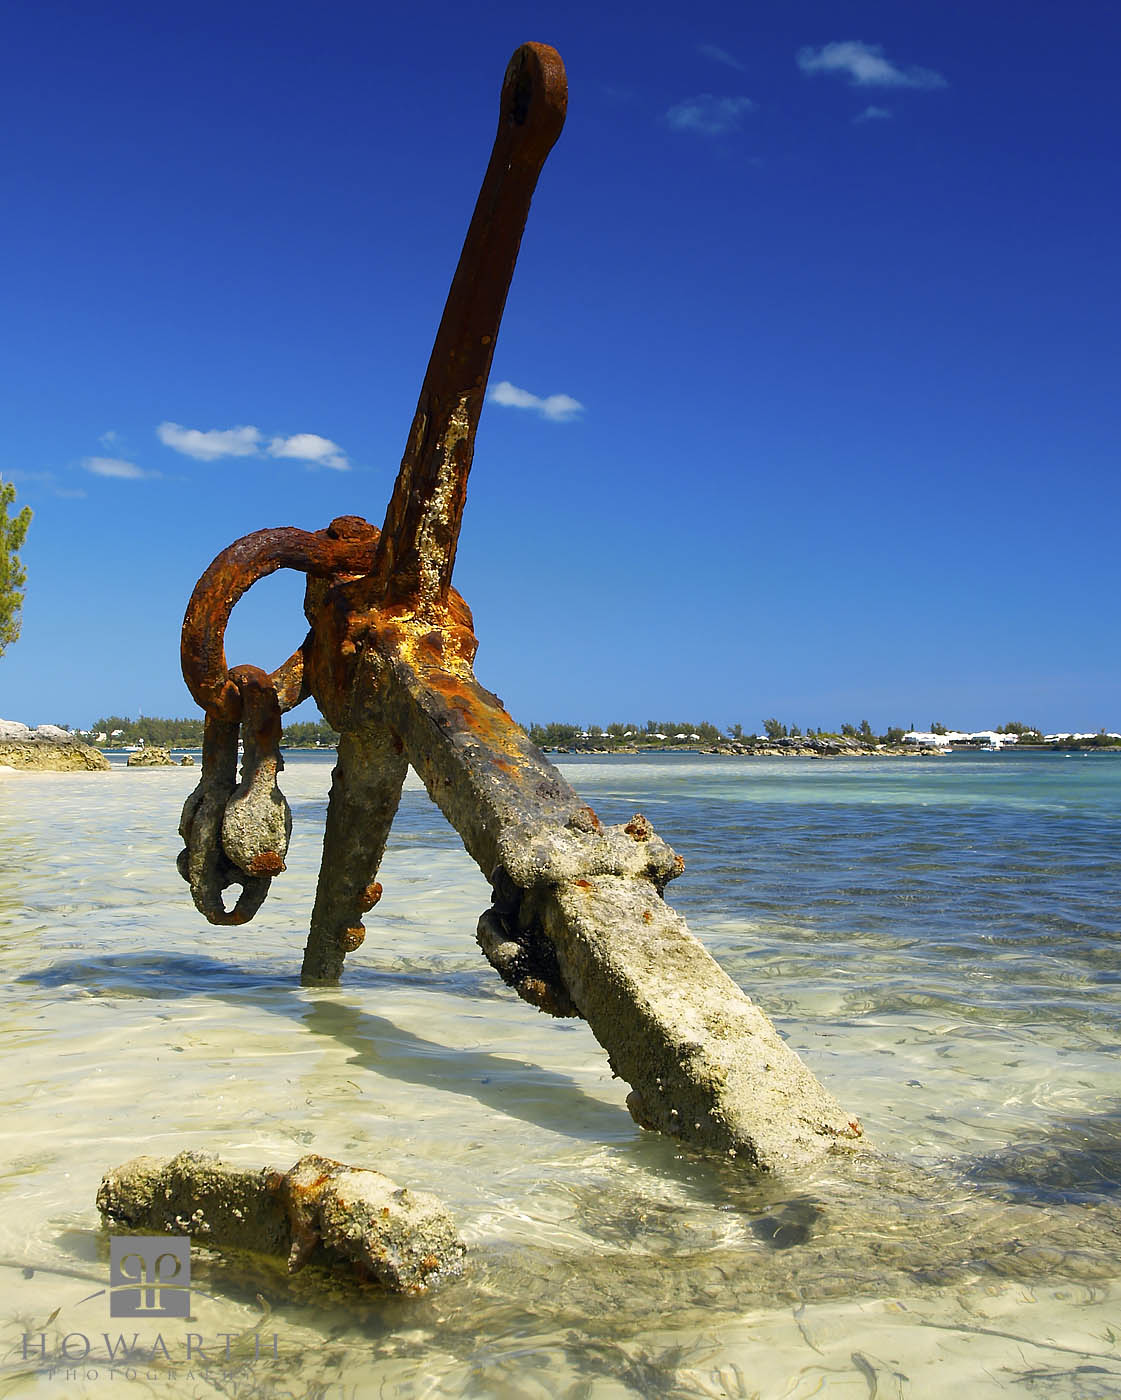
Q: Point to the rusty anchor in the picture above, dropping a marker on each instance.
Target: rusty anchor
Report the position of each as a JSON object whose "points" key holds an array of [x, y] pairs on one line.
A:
{"points": [[577, 925]]}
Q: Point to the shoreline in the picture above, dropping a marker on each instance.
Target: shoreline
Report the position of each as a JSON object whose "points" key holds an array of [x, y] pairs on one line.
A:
{"points": [[769, 750], [726, 751], [52, 755]]}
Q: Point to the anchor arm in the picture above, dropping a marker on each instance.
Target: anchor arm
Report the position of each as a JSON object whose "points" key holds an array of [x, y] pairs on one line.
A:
{"points": [[578, 926], [365, 792]]}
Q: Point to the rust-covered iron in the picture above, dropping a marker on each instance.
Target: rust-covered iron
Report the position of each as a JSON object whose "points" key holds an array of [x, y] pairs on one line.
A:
{"points": [[577, 924]]}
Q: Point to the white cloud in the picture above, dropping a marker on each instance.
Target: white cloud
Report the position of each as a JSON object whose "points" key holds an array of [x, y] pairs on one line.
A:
{"points": [[719, 55], [248, 441], [873, 114], [115, 467], [310, 447], [865, 66], [510, 396], [71, 493], [209, 446], [109, 438], [711, 115], [558, 408]]}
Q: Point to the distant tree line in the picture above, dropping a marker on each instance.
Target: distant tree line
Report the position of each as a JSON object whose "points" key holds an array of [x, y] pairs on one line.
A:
{"points": [[1029, 735], [120, 731], [689, 733], [862, 732], [567, 736], [309, 733], [168, 733]]}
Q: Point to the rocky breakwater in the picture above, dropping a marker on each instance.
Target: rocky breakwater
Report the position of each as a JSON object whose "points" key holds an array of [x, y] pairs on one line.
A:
{"points": [[46, 749], [831, 747]]}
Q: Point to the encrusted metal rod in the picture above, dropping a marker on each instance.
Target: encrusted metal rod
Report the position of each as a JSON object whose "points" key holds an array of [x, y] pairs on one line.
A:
{"points": [[418, 540], [365, 792]]}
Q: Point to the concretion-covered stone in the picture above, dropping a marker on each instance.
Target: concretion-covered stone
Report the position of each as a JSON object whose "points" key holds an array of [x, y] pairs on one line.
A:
{"points": [[45, 755], [151, 756], [319, 1212]]}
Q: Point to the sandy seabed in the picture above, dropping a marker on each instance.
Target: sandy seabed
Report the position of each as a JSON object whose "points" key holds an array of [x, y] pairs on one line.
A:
{"points": [[604, 1262]]}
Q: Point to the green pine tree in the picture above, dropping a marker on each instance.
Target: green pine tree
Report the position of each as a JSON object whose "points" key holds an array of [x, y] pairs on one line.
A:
{"points": [[13, 532]]}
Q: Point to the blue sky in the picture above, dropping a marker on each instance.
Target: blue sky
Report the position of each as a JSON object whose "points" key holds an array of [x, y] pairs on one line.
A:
{"points": [[811, 357]]}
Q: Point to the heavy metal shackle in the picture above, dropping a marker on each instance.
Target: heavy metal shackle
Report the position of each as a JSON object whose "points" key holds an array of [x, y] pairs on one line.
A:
{"points": [[346, 546], [238, 833]]}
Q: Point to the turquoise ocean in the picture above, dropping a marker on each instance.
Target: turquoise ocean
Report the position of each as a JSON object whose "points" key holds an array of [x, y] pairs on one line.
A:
{"points": [[938, 938]]}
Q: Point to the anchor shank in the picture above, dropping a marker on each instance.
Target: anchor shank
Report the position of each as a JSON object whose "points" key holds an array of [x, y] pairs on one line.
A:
{"points": [[418, 542]]}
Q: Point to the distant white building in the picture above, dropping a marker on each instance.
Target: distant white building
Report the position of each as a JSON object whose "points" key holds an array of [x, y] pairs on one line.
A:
{"points": [[957, 736]]}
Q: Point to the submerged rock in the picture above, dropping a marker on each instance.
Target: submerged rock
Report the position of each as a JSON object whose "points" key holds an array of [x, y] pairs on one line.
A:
{"points": [[151, 757], [320, 1212]]}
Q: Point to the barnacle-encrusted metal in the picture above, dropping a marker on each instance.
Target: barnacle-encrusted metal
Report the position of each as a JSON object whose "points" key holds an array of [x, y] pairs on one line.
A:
{"points": [[577, 924]]}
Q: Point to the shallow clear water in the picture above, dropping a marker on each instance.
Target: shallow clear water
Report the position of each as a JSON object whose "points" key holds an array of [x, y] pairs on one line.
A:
{"points": [[938, 938]]}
